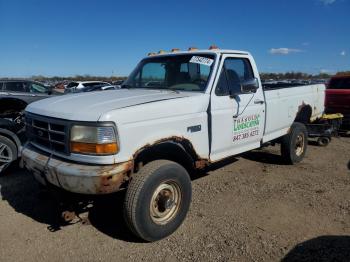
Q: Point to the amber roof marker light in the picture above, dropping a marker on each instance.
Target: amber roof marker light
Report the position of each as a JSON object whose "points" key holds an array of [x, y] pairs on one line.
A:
{"points": [[192, 48], [213, 47]]}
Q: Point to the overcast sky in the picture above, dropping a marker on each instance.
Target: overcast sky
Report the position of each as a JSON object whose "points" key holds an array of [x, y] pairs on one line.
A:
{"points": [[101, 37]]}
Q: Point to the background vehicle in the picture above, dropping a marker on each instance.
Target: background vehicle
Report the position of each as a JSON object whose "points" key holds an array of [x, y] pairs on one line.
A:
{"points": [[177, 112], [24, 90], [118, 83], [72, 86], [338, 98], [101, 87], [15, 95]]}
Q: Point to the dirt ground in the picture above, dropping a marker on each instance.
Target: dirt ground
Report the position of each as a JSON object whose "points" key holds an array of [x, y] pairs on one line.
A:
{"points": [[254, 208]]}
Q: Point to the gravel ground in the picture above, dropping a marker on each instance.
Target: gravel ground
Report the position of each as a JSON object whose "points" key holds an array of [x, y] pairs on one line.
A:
{"points": [[253, 208]]}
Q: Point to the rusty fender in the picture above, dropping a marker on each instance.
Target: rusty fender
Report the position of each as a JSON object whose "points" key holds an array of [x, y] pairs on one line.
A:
{"points": [[199, 163], [110, 182], [74, 177]]}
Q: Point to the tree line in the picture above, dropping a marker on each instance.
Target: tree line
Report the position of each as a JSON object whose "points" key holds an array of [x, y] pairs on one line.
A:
{"points": [[299, 75], [264, 76], [78, 78]]}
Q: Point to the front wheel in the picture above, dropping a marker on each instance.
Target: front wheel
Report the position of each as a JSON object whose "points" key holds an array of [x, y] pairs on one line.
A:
{"points": [[294, 144], [157, 200], [8, 153]]}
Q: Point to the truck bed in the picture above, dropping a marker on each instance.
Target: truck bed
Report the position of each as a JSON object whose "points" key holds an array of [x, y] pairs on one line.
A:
{"points": [[338, 101], [285, 104]]}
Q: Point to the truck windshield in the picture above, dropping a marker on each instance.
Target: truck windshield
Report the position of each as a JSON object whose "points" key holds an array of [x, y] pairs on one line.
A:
{"points": [[173, 72], [340, 83]]}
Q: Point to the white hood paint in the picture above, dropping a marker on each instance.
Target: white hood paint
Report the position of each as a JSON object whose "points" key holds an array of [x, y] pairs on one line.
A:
{"points": [[90, 106]]}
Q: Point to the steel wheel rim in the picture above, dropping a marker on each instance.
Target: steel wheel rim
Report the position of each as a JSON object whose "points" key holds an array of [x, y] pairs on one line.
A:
{"points": [[6, 155], [299, 145], [165, 202]]}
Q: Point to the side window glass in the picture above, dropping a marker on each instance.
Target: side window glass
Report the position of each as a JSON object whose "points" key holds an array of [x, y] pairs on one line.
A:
{"points": [[35, 88], [26, 86], [241, 67], [237, 71], [72, 84], [14, 87]]}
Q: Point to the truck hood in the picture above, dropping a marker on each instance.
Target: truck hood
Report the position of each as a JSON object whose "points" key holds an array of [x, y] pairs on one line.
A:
{"points": [[90, 106]]}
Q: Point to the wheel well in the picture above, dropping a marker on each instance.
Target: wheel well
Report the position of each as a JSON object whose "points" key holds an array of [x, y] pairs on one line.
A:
{"points": [[179, 152], [10, 107], [304, 114]]}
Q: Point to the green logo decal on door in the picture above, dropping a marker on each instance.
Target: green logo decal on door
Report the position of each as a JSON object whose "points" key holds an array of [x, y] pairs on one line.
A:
{"points": [[246, 127]]}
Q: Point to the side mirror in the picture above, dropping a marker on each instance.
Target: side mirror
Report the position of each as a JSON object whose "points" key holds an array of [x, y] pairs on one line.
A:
{"points": [[249, 86]]}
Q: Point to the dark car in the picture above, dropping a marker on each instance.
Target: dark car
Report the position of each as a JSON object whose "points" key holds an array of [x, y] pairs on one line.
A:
{"points": [[118, 82], [28, 91], [15, 95]]}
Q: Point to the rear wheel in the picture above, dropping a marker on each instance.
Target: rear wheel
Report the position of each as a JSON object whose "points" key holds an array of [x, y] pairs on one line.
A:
{"points": [[323, 141], [157, 200], [294, 144], [8, 153]]}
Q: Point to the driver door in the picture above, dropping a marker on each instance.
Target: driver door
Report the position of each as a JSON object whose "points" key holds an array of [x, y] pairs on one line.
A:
{"points": [[237, 118]]}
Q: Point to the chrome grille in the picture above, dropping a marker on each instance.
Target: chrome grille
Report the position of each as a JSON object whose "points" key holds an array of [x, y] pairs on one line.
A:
{"points": [[48, 133]]}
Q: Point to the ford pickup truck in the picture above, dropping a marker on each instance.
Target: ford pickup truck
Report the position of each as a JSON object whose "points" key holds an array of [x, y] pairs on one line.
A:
{"points": [[177, 112]]}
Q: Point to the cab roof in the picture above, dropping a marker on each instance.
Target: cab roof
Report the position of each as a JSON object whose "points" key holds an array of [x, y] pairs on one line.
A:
{"points": [[200, 51]]}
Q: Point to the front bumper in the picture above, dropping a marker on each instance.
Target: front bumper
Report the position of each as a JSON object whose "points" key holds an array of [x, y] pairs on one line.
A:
{"points": [[73, 177]]}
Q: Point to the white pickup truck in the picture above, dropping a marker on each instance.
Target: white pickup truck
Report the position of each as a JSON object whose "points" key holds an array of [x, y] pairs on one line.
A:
{"points": [[177, 112]]}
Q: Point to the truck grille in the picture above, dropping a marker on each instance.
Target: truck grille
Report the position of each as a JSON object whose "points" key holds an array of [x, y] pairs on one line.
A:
{"points": [[48, 133]]}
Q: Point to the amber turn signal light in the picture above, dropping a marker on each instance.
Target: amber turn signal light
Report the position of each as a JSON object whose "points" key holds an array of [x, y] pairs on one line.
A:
{"points": [[95, 149]]}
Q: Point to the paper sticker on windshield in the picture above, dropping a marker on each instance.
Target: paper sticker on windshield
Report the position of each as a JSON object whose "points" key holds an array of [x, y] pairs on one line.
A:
{"points": [[201, 60]]}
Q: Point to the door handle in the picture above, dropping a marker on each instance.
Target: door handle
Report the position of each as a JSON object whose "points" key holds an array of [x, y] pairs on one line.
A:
{"points": [[258, 101]]}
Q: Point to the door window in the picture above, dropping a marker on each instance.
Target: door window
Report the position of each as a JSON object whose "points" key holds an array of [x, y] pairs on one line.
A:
{"points": [[14, 87], [36, 88], [233, 73]]}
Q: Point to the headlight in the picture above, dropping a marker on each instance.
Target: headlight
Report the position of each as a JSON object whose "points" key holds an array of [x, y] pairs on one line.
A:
{"points": [[96, 140]]}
